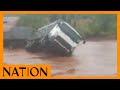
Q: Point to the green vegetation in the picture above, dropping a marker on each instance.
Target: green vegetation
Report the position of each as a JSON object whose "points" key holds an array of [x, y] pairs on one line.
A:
{"points": [[93, 25]]}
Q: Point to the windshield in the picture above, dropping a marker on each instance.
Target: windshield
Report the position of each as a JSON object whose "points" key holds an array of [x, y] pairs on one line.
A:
{"points": [[69, 31]]}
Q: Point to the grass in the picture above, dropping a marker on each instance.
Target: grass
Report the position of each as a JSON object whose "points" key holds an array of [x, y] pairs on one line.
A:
{"points": [[87, 25]]}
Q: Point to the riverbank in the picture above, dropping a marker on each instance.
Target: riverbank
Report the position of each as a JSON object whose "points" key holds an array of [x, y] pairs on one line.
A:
{"points": [[100, 38]]}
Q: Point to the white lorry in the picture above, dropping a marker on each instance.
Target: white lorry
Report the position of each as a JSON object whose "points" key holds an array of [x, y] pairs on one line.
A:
{"points": [[58, 36]]}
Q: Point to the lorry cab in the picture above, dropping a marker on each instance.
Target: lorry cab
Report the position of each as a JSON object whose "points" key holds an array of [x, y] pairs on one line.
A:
{"points": [[66, 38]]}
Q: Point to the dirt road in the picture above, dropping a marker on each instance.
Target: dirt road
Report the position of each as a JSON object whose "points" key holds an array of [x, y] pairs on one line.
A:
{"points": [[93, 58]]}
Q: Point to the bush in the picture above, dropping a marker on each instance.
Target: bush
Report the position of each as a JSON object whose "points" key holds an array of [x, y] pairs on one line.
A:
{"points": [[87, 25]]}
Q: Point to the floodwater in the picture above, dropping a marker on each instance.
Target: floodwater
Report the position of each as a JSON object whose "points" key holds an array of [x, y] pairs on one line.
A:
{"points": [[92, 58]]}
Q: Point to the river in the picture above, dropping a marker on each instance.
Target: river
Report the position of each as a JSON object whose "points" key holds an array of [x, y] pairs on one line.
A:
{"points": [[92, 58]]}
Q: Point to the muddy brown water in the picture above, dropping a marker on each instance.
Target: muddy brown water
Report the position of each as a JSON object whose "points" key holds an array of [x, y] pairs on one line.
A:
{"points": [[92, 58]]}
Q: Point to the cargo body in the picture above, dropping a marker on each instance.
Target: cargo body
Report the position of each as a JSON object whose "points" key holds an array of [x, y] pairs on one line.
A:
{"points": [[58, 36]]}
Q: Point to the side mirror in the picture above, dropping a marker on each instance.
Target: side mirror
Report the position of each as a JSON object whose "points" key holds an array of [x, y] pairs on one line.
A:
{"points": [[84, 41]]}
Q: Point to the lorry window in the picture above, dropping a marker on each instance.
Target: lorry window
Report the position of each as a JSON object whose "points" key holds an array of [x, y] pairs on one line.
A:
{"points": [[68, 31]]}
